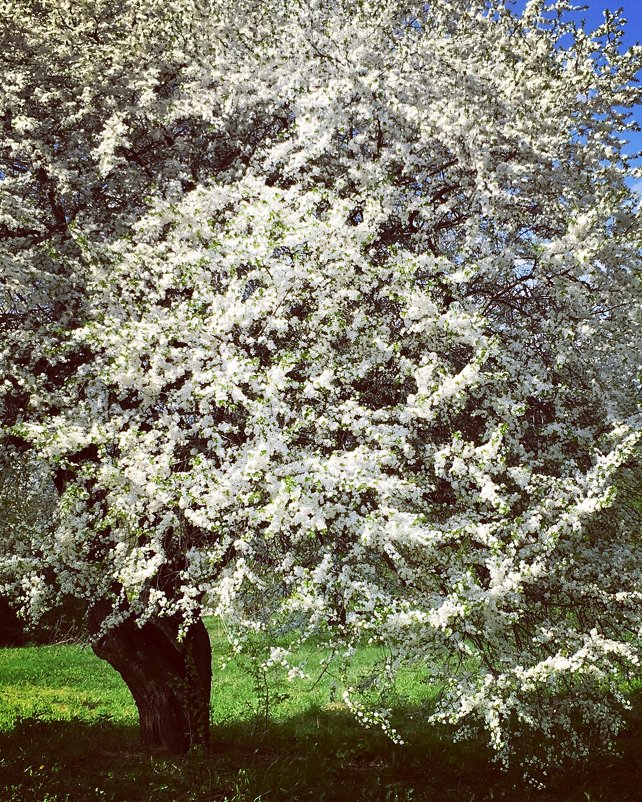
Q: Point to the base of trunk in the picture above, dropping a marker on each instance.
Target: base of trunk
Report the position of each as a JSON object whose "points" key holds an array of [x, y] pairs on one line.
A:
{"points": [[169, 680]]}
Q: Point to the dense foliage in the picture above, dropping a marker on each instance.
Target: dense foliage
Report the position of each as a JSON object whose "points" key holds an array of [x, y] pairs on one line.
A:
{"points": [[327, 314]]}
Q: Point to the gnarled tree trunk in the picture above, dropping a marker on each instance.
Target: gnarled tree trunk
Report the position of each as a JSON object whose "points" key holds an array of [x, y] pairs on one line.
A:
{"points": [[169, 680]]}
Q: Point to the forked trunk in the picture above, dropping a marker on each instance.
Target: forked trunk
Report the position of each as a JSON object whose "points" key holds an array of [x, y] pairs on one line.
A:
{"points": [[169, 680]]}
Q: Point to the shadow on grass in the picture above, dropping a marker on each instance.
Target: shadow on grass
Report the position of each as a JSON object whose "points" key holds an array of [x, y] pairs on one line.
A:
{"points": [[321, 756]]}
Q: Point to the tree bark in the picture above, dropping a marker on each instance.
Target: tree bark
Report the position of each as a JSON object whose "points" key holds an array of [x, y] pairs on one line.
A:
{"points": [[169, 679]]}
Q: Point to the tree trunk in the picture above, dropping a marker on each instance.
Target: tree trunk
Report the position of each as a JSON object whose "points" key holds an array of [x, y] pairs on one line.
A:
{"points": [[169, 680]]}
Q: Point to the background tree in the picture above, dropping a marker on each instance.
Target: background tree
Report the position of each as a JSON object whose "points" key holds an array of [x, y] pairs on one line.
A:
{"points": [[28, 508], [328, 313]]}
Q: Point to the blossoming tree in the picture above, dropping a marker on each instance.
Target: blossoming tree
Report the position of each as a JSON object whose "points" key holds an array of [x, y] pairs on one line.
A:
{"points": [[326, 313]]}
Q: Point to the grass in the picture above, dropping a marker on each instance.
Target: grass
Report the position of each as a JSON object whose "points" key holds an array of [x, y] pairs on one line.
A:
{"points": [[68, 733]]}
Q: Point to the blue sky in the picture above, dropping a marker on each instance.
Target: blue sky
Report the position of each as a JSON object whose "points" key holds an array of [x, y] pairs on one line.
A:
{"points": [[593, 15], [632, 10]]}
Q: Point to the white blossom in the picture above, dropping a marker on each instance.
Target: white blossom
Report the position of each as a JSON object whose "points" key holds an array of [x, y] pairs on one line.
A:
{"points": [[331, 322]]}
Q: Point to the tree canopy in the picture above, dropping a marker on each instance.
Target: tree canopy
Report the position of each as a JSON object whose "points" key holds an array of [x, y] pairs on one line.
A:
{"points": [[327, 315]]}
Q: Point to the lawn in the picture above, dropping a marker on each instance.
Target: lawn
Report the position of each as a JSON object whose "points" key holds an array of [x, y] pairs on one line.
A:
{"points": [[68, 734]]}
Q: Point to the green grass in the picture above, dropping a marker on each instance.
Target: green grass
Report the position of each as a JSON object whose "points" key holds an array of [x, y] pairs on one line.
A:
{"points": [[68, 733]]}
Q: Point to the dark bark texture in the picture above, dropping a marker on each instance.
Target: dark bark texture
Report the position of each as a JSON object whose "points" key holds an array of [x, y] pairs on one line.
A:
{"points": [[169, 679]]}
